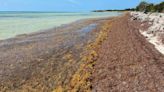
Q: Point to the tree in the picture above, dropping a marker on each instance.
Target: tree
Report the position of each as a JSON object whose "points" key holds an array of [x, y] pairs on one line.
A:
{"points": [[150, 8], [160, 7], [142, 6]]}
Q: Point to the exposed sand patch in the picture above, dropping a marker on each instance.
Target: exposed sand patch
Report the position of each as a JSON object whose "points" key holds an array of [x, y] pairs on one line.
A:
{"points": [[155, 33]]}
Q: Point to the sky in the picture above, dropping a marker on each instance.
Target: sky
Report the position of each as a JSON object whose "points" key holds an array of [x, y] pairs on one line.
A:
{"points": [[68, 5]]}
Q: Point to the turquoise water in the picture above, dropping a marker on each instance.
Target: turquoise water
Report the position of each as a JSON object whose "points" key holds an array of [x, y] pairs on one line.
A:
{"points": [[16, 23]]}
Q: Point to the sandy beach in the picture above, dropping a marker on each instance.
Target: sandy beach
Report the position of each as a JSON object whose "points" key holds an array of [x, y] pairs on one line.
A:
{"points": [[94, 55]]}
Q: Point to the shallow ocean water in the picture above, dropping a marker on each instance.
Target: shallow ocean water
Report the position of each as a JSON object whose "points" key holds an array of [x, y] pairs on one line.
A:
{"points": [[16, 23]]}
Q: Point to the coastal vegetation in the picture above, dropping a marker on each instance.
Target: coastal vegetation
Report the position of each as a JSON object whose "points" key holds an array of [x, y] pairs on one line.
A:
{"points": [[143, 7], [150, 7]]}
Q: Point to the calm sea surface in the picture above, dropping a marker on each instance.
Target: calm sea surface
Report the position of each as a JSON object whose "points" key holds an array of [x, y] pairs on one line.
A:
{"points": [[16, 23]]}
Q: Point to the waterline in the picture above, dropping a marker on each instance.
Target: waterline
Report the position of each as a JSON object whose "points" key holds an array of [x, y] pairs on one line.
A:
{"points": [[16, 23]]}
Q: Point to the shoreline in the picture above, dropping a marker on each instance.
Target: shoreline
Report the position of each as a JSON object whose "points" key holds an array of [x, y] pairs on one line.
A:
{"points": [[19, 23], [24, 35], [120, 61], [110, 56], [41, 61]]}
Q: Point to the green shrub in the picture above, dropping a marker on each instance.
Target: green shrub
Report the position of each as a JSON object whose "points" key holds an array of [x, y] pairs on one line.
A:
{"points": [[150, 7]]}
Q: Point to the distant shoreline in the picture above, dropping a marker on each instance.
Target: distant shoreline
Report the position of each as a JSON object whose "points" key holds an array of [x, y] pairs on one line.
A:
{"points": [[109, 10]]}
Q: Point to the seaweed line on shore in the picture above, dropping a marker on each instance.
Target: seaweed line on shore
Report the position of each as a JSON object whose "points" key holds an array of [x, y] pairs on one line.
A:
{"points": [[81, 80]]}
